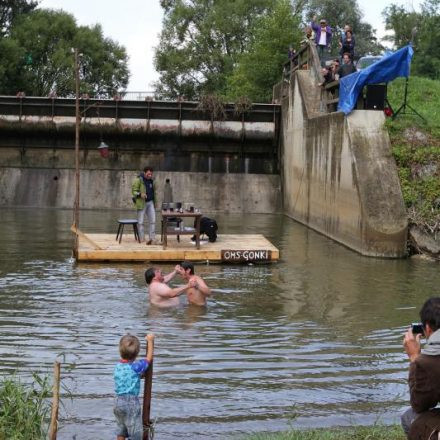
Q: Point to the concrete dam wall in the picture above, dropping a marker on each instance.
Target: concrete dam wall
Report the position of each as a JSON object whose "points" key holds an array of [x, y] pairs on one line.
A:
{"points": [[338, 174], [226, 166], [101, 189]]}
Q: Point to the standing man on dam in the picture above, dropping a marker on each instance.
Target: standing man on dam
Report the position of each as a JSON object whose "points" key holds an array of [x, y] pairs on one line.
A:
{"points": [[142, 191]]}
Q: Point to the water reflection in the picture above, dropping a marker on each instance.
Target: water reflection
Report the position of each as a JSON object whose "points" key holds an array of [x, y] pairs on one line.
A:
{"points": [[315, 338]]}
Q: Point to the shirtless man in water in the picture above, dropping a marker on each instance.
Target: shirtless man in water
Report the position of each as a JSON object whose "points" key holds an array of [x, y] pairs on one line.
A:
{"points": [[197, 291], [160, 293]]}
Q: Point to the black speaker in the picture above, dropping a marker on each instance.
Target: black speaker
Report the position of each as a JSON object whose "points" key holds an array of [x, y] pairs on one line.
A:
{"points": [[375, 97]]}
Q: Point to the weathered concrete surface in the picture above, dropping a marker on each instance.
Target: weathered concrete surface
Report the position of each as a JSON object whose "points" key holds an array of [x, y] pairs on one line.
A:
{"points": [[338, 174], [174, 158], [212, 192]]}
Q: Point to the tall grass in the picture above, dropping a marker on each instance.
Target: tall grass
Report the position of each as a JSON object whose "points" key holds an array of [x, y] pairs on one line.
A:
{"points": [[24, 408], [376, 432], [423, 96], [416, 149]]}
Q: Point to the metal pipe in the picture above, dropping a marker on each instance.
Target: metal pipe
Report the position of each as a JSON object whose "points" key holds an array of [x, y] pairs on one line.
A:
{"points": [[77, 124]]}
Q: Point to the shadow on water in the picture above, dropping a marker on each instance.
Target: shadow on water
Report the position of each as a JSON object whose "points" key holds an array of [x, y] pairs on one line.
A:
{"points": [[314, 340]]}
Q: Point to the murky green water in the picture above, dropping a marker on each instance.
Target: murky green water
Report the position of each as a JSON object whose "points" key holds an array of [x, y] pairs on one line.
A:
{"points": [[314, 340]]}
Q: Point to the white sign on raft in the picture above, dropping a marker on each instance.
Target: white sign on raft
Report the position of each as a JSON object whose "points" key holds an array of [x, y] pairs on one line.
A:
{"points": [[246, 255]]}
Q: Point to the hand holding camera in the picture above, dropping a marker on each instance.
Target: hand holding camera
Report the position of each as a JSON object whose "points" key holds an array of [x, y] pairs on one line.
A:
{"points": [[417, 328], [411, 343]]}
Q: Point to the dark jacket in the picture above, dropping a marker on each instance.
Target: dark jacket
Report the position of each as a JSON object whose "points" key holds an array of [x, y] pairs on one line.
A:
{"points": [[348, 47], [346, 69], [149, 186], [424, 382], [427, 424]]}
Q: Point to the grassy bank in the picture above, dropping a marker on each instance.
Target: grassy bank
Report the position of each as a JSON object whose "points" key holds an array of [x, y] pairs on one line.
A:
{"points": [[377, 432], [24, 409], [416, 148]]}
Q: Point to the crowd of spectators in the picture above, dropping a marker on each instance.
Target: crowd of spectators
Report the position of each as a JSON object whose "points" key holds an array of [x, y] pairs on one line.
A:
{"points": [[321, 35]]}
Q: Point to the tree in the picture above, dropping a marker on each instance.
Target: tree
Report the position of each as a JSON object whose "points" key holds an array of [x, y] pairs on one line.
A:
{"points": [[42, 59], [200, 43], [10, 10], [402, 23], [259, 69], [423, 30], [338, 13]]}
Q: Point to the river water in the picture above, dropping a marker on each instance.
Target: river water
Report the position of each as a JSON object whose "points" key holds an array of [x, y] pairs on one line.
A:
{"points": [[314, 340]]}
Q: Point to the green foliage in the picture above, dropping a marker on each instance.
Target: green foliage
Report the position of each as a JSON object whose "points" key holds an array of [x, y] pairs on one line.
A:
{"points": [[200, 44], [426, 23], [10, 10], [416, 149], [401, 22], [259, 69], [338, 13], [24, 409], [38, 58], [376, 432], [423, 96]]}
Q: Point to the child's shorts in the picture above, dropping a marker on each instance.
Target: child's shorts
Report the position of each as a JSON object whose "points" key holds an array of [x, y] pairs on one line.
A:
{"points": [[127, 411]]}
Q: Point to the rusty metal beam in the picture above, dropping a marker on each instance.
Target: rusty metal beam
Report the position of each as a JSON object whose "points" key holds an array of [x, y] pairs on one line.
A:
{"points": [[94, 108]]}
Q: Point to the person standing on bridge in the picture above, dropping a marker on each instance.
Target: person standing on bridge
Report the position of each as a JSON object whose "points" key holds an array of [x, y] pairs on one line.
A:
{"points": [[142, 191], [323, 37]]}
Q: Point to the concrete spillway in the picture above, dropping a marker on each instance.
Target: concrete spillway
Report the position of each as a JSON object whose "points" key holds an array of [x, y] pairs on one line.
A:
{"points": [[338, 173]]}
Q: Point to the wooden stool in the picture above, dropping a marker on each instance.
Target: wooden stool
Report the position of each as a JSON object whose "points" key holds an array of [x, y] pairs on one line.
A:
{"points": [[127, 221]]}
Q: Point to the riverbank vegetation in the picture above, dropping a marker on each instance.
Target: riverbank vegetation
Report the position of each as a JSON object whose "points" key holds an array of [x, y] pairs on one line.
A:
{"points": [[24, 408], [416, 149], [376, 432]]}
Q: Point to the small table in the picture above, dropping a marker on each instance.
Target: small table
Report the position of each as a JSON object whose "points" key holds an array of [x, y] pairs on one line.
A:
{"points": [[185, 231]]}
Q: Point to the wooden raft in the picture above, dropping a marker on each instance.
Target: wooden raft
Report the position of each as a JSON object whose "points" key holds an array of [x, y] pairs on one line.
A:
{"points": [[228, 249]]}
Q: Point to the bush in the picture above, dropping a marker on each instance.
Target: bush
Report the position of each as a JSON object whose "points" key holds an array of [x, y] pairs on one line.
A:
{"points": [[24, 409]]}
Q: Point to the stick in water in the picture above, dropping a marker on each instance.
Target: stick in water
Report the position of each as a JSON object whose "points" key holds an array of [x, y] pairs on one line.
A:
{"points": [[55, 402], [146, 407]]}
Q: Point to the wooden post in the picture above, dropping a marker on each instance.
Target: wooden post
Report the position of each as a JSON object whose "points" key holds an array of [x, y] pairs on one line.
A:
{"points": [[147, 402], [55, 402], [77, 124]]}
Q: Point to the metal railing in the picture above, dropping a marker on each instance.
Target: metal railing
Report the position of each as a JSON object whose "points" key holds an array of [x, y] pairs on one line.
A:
{"points": [[300, 60]]}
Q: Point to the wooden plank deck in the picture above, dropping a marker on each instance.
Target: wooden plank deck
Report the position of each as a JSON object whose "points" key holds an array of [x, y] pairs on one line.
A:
{"points": [[227, 248]]}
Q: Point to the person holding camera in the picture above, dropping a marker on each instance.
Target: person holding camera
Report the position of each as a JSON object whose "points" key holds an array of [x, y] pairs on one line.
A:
{"points": [[421, 421], [142, 191]]}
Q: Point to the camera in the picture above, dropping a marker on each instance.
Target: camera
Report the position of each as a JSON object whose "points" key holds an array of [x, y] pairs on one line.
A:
{"points": [[136, 195], [417, 328]]}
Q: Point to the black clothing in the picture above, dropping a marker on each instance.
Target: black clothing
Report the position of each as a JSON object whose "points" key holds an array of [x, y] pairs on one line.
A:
{"points": [[346, 69], [149, 188]]}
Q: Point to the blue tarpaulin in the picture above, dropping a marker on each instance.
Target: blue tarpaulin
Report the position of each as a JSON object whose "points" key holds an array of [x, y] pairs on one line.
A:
{"points": [[388, 68]]}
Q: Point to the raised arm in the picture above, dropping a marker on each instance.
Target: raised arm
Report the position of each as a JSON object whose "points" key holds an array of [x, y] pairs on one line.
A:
{"points": [[150, 347], [314, 25], [167, 278]]}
